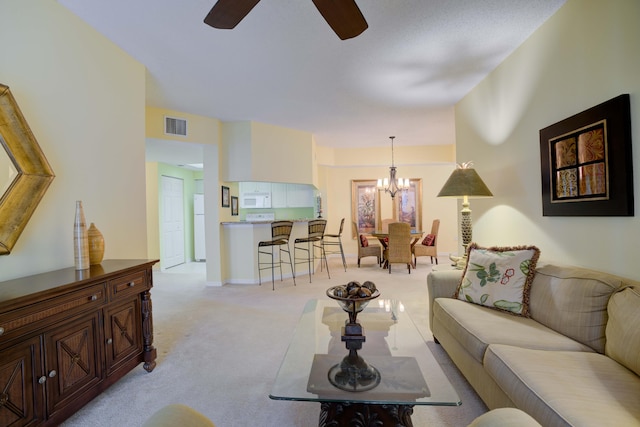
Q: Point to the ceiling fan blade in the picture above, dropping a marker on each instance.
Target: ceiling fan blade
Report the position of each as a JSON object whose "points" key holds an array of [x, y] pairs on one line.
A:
{"points": [[226, 14], [343, 16]]}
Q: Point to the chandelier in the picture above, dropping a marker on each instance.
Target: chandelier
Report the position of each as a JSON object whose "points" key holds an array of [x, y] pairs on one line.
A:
{"points": [[392, 184]]}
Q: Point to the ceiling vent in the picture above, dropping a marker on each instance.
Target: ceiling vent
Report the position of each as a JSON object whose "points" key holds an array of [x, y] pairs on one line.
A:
{"points": [[175, 126]]}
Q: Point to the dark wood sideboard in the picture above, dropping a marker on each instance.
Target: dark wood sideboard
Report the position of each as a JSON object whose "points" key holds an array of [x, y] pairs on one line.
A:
{"points": [[67, 335]]}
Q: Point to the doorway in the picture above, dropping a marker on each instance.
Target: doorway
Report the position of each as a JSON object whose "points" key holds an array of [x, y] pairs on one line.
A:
{"points": [[172, 224]]}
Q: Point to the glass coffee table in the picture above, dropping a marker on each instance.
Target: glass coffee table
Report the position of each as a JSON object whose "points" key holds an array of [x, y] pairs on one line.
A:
{"points": [[376, 376]]}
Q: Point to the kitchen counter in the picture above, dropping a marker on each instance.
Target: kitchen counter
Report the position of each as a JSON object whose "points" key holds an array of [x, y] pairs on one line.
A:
{"points": [[240, 255]]}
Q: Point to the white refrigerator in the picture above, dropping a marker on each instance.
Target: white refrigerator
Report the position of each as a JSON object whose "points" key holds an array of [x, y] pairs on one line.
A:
{"points": [[198, 227]]}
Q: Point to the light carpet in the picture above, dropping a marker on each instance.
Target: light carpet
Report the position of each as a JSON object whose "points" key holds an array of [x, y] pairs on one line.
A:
{"points": [[219, 349]]}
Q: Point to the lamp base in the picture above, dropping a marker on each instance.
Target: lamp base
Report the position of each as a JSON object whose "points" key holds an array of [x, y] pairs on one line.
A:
{"points": [[459, 262]]}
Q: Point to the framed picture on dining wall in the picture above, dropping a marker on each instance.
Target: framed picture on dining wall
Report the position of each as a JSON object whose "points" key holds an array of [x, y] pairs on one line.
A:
{"points": [[587, 167], [364, 196], [409, 205]]}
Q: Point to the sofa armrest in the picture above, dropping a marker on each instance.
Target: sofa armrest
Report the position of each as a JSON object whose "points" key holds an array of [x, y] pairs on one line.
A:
{"points": [[441, 284]]}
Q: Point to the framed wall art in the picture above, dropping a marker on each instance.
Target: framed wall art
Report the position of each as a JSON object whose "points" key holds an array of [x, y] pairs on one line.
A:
{"points": [[409, 205], [234, 206], [364, 196], [586, 162], [225, 197]]}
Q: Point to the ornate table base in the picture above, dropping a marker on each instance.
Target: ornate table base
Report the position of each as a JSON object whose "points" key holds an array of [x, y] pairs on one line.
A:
{"points": [[337, 414]]}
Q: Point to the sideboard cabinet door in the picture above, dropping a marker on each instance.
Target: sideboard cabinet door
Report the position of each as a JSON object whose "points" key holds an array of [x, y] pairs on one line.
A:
{"points": [[21, 397], [72, 365], [123, 333]]}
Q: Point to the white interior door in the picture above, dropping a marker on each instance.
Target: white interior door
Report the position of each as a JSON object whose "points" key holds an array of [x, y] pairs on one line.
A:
{"points": [[172, 227]]}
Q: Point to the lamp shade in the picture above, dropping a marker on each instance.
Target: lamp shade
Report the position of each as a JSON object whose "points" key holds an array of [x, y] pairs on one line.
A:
{"points": [[465, 182]]}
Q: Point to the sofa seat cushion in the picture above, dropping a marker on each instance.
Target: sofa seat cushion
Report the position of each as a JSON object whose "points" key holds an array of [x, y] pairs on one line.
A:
{"points": [[475, 327], [563, 388]]}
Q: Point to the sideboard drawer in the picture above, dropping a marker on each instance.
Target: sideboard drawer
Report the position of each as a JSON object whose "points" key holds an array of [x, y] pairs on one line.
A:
{"points": [[132, 284], [73, 302]]}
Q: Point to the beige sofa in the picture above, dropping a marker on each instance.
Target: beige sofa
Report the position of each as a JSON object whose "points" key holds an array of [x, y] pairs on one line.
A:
{"points": [[574, 362], [179, 415]]}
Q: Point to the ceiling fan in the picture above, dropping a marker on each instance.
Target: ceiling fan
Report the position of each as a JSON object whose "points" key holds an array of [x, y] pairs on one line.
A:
{"points": [[343, 16]]}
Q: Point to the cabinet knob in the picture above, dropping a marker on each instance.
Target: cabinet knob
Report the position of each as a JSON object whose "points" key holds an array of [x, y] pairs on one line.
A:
{"points": [[93, 297], [1, 330], [132, 284], [110, 341], [42, 380], [53, 373]]}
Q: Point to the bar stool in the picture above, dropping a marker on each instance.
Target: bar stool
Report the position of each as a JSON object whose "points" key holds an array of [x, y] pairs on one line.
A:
{"points": [[335, 240], [309, 244], [280, 233]]}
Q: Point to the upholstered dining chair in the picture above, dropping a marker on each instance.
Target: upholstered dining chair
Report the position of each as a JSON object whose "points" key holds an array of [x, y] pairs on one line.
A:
{"points": [[366, 248], [333, 240], [385, 224], [428, 245], [398, 249]]}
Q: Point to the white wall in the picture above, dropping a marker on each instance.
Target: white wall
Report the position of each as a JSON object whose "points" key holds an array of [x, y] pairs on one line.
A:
{"points": [[582, 56], [84, 100]]}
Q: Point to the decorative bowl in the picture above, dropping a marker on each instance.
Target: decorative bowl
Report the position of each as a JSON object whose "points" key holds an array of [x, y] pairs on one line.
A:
{"points": [[352, 304]]}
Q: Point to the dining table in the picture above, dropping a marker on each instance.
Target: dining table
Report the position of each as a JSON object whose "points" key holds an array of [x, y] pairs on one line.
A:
{"points": [[383, 238]]}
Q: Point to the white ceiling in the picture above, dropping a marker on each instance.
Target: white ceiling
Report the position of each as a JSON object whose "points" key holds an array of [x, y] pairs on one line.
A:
{"points": [[283, 65]]}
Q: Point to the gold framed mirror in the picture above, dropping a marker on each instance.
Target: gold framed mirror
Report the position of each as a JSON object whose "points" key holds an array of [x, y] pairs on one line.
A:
{"points": [[25, 174]]}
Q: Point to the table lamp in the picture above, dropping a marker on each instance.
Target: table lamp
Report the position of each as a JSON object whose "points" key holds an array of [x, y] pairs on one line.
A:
{"points": [[463, 183]]}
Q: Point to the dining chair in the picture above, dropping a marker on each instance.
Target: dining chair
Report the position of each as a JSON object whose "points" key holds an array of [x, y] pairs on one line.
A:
{"points": [[333, 240], [428, 246], [398, 248], [366, 248], [280, 234], [308, 246]]}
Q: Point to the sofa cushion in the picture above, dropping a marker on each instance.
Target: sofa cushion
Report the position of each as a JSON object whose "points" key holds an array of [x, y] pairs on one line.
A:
{"points": [[623, 328], [364, 242], [475, 327], [563, 388], [499, 277], [573, 301], [177, 414], [504, 417]]}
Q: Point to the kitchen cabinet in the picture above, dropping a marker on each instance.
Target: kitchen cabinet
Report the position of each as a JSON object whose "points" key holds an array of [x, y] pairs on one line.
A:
{"points": [[292, 195], [67, 335], [248, 187], [300, 196], [278, 195]]}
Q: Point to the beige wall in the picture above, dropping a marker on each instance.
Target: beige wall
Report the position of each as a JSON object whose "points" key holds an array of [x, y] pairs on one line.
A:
{"points": [[84, 100], [209, 132], [256, 151], [584, 55], [200, 129]]}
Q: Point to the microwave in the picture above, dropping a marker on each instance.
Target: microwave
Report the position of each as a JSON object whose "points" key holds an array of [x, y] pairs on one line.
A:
{"points": [[255, 200]]}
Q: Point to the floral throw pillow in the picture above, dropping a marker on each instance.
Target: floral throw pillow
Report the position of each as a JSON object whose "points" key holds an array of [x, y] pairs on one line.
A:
{"points": [[499, 278], [364, 242]]}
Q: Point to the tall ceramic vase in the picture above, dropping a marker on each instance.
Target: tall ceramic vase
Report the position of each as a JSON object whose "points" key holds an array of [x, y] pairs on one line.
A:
{"points": [[96, 245], [80, 239]]}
